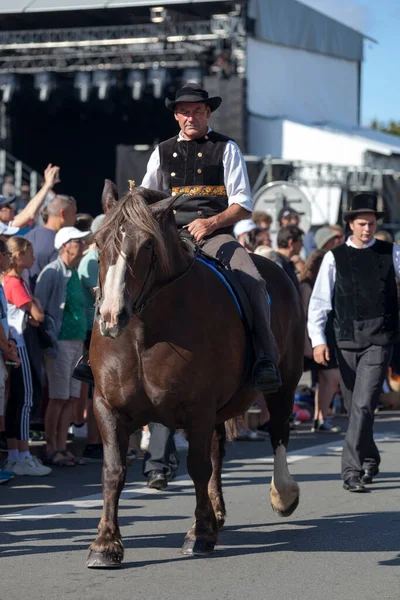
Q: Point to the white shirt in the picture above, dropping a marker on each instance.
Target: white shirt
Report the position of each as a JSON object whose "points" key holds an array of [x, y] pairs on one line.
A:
{"points": [[321, 297], [235, 175]]}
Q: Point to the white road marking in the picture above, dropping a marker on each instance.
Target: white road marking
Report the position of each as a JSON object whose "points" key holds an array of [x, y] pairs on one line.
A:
{"points": [[56, 509]]}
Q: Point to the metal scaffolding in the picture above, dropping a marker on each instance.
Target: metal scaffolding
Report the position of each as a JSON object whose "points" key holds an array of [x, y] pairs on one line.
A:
{"points": [[173, 44]]}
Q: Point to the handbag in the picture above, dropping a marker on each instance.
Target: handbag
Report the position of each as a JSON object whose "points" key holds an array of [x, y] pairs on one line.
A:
{"points": [[45, 332]]}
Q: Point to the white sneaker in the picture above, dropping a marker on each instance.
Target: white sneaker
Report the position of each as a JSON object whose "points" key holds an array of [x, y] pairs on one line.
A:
{"points": [[145, 440], [180, 440], [31, 466], [9, 465], [79, 432]]}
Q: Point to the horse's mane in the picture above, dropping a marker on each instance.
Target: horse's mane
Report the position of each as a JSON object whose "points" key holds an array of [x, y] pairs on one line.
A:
{"points": [[134, 208]]}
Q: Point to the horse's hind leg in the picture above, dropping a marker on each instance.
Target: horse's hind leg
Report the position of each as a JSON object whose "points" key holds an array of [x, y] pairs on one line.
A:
{"points": [[284, 493], [215, 484], [202, 537], [107, 550]]}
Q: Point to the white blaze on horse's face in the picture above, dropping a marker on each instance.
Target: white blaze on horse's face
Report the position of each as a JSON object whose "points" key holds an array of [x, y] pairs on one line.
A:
{"points": [[114, 288]]}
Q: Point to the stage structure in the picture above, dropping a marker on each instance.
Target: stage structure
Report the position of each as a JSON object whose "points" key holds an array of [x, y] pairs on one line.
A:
{"points": [[80, 79]]}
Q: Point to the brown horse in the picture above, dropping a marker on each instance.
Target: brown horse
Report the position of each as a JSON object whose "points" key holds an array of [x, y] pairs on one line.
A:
{"points": [[170, 347]]}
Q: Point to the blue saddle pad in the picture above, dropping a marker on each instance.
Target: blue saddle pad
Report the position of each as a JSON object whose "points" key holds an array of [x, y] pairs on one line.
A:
{"points": [[234, 293], [211, 265]]}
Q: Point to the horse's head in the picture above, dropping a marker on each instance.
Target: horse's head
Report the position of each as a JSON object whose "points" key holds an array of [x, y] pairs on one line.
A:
{"points": [[134, 253]]}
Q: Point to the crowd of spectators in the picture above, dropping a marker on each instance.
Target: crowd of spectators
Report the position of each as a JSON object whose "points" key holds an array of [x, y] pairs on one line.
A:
{"points": [[48, 273], [48, 270]]}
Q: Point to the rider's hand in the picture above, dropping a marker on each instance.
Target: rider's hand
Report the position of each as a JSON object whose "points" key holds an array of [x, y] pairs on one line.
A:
{"points": [[51, 176], [321, 354], [201, 228]]}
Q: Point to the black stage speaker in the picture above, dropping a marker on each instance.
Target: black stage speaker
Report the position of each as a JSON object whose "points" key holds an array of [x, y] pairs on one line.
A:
{"points": [[131, 164], [229, 119]]}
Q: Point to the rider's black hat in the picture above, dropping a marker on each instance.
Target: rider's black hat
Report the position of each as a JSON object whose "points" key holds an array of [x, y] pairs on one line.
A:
{"points": [[193, 92], [363, 203]]}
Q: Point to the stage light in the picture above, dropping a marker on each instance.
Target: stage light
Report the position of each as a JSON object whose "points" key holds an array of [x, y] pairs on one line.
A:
{"points": [[102, 80], [235, 10], [158, 14], [219, 24], [44, 82], [83, 82], [136, 81], [157, 77], [8, 85], [191, 76]]}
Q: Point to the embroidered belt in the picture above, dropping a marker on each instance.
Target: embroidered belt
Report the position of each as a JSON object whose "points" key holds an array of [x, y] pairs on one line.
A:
{"points": [[200, 190]]}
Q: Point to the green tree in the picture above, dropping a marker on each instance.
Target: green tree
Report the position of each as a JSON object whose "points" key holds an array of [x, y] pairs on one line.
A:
{"points": [[393, 127]]}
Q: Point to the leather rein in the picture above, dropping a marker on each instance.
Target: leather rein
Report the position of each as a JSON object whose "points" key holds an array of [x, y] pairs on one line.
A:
{"points": [[141, 302]]}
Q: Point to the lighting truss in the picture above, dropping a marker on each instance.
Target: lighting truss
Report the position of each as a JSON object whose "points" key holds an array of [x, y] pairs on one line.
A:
{"points": [[177, 44]]}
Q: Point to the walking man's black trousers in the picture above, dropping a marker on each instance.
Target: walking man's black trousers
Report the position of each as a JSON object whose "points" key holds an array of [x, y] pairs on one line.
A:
{"points": [[362, 373]]}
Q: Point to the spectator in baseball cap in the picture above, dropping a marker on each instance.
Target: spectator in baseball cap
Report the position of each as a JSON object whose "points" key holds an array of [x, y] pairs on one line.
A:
{"points": [[60, 291], [288, 216], [242, 230]]}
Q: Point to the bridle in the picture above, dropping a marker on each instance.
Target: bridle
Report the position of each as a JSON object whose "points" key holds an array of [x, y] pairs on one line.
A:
{"points": [[141, 302]]}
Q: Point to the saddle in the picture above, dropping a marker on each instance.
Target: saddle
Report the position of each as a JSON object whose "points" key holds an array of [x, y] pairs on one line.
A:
{"points": [[228, 278]]}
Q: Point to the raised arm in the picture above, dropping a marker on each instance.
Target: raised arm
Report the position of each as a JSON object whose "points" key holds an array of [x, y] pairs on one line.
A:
{"points": [[33, 207]]}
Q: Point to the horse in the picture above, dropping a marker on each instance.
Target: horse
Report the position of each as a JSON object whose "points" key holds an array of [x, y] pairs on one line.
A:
{"points": [[169, 346]]}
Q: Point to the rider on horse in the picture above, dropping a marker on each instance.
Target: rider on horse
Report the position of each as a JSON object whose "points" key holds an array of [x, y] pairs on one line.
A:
{"points": [[209, 170]]}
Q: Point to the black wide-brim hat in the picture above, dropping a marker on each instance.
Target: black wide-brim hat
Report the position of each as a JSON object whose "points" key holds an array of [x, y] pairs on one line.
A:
{"points": [[363, 203], [192, 92]]}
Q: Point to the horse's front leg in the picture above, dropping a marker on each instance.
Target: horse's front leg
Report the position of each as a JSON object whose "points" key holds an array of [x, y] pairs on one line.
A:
{"points": [[107, 550], [202, 537]]}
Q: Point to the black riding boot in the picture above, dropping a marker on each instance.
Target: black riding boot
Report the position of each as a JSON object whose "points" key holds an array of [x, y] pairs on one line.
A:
{"points": [[83, 372]]}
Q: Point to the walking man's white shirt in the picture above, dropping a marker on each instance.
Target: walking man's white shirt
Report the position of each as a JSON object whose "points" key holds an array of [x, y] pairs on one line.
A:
{"points": [[321, 299], [235, 175]]}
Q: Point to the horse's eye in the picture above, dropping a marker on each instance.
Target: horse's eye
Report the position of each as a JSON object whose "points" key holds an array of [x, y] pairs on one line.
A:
{"points": [[148, 245]]}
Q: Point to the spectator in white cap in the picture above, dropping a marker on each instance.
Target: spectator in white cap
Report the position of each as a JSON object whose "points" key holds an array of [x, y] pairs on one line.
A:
{"points": [[327, 238], [59, 289], [242, 229]]}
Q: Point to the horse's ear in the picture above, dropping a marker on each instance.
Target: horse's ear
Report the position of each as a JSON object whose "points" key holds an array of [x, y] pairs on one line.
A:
{"points": [[161, 209], [110, 193]]}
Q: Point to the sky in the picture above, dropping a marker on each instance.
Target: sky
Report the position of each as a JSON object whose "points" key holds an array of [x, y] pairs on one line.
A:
{"points": [[379, 19]]}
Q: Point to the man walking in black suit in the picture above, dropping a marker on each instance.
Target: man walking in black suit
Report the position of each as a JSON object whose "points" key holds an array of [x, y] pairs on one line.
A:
{"points": [[357, 282]]}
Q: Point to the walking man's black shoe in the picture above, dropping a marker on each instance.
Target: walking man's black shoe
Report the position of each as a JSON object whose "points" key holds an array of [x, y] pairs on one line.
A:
{"points": [[83, 372], [266, 376], [368, 475], [157, 480], [353, 484]]}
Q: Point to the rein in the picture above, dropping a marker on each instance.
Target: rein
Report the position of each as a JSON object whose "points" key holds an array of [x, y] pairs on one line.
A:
{"points": [[163, 288]]}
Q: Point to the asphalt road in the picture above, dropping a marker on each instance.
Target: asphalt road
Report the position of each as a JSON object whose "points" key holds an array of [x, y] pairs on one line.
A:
{"points": [[336, 545]]}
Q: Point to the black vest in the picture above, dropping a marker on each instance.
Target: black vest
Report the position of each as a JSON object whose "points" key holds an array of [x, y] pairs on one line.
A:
{"points": [[196, 168], [365, 296]]}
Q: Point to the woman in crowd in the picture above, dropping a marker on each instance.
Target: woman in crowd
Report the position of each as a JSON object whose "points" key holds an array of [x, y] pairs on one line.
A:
{"points": [[328, 377], [23, 311]]}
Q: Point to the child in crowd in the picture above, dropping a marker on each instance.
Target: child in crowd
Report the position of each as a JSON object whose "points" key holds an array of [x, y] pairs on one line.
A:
{"points": [[23, 311], [8, 349]]}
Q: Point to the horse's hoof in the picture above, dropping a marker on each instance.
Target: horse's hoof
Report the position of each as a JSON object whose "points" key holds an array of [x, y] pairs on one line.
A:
{"points": [[220, 523], [197, 547], [102, 560], [288, 511]]}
